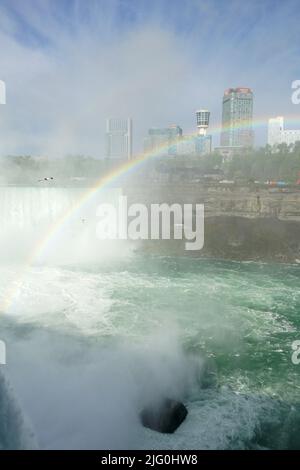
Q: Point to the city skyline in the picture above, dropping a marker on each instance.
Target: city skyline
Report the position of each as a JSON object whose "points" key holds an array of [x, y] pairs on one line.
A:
{"points": [[170, 141], [237, 118], [64, 76], [150, 255]]}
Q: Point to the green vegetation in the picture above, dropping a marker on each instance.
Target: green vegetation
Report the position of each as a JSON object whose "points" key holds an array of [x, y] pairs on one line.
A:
{"points": [[263, 164], [27, 170]]}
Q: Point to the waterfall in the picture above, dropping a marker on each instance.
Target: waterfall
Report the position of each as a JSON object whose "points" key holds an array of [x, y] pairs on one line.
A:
{"points": [[28, 215]]}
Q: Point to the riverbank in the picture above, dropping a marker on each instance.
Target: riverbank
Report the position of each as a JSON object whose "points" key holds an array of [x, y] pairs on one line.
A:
{"points": [[241, 223]]}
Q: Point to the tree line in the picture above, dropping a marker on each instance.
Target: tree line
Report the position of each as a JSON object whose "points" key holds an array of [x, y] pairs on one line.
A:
{"points": [[262, 164]]}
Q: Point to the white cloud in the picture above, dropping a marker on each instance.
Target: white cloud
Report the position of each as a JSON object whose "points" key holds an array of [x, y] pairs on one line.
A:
{"points": [[66, 74]]}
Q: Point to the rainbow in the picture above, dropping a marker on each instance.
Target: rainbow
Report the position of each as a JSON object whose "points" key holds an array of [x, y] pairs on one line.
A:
{"points": [[127, 167], [104, 182], [109, 179]]}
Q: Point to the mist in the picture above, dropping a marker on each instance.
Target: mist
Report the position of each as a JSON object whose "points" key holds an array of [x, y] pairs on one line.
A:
{"points": [[95, 330]]}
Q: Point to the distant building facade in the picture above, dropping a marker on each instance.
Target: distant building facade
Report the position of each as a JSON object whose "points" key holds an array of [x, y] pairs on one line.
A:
{"points": [[164, 141], [202, 118], [170, 141], [275, 128], [118, 138], [237, 115], [194, 145], [278, 135], [200, 144]]}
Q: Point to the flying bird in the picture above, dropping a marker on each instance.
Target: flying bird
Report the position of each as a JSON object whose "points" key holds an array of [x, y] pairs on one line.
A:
{"points": [[48, 178]]}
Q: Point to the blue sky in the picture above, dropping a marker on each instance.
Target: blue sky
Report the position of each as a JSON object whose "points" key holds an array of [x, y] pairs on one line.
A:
{"points": [[68, 64]]}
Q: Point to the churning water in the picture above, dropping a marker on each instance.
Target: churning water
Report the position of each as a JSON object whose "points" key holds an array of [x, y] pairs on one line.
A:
{"points": [[94, 333]]}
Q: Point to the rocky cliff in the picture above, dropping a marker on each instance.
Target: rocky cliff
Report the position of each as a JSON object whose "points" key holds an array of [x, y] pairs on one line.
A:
{"points": [[241, 223]]}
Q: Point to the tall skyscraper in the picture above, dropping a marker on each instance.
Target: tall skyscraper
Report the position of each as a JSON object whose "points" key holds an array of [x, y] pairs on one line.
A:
{"points": [[163, 140], [278, 135], [119, 138], [237, 118]]}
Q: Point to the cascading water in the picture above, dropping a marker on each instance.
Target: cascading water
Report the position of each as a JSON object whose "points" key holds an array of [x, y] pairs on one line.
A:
{"points": [[30, 215], [94, 331]]}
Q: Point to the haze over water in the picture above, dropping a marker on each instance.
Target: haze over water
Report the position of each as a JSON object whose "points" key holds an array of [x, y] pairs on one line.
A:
{"points": [[91, 341], [94, 330]]}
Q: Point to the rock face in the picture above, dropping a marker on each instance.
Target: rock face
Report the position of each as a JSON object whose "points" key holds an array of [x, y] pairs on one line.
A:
{"points": [[241, 223], [220, 201], [165, 417]]}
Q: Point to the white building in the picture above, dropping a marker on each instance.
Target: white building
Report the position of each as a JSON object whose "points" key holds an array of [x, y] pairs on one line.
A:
{"points": [[275, 129], [289, 137], [119, 138], [278, 135]]}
